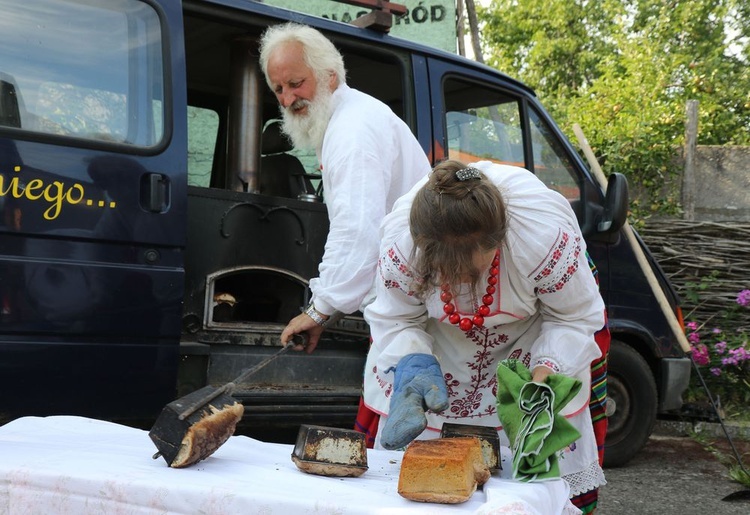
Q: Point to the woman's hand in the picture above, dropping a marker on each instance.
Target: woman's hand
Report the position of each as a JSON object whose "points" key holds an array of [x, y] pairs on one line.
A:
{"points": [[540, 374]]}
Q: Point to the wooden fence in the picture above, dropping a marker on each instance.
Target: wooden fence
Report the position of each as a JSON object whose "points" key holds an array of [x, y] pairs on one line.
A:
{"points": [[713, 254]]}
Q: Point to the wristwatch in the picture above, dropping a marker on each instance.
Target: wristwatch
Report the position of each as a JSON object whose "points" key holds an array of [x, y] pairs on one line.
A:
{"points": [[316, 315]]}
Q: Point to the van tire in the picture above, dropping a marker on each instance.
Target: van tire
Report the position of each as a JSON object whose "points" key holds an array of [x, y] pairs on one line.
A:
{"points": [[631, 391]]}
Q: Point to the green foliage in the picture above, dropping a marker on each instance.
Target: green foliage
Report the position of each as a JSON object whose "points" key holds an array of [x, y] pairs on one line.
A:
{"points": [[736, 470], [624, 69], [739, 475]]}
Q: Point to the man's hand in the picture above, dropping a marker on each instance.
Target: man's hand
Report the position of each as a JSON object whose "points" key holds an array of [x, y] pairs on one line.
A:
{"points": [[418, 386], [303, 324]]}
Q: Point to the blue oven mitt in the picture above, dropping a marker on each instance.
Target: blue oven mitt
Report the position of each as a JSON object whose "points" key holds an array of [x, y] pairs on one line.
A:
{"points": [[418, 386]]}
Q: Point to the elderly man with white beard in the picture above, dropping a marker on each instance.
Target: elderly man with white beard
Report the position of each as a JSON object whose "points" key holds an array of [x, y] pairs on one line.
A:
{"points": [[368, 155]]}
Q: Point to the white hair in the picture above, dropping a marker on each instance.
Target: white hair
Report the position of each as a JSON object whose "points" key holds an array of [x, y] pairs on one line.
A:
{"points": [[319, 53]]}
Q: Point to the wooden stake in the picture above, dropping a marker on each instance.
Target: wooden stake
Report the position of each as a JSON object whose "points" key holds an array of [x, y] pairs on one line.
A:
{"points": [[688, 176], [677, 329]]}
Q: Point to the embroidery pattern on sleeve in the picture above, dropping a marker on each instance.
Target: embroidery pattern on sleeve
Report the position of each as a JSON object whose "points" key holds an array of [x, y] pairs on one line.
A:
{"points": [[395, 271], [560, 266]]}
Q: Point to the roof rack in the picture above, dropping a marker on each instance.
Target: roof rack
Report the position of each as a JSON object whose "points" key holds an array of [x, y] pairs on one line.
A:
{"points": [[381, 16]]}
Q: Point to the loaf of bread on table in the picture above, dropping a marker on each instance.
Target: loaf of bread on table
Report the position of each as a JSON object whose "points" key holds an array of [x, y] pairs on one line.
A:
{"points": [[445, 470]]}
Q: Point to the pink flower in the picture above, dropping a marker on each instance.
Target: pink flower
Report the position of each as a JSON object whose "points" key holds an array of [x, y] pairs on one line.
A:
{"points": [[743, 298], [694, 337], [693, 326], [741, 354], [720, 347], [736, 357], [715, 371], [700, 355]]}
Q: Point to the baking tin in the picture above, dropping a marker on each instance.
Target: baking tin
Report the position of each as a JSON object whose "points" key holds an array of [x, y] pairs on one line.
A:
{"points": [[488, 437], [328, 451]]}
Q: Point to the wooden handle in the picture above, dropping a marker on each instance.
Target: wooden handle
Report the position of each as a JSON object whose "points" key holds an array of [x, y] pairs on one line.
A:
{"points": [[679, 332]]}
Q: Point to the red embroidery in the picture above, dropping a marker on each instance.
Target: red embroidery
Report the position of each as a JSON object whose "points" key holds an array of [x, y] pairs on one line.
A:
{"points": [[393, 268], [467, 401], [384, 384], [548, 363], [559, 275]]}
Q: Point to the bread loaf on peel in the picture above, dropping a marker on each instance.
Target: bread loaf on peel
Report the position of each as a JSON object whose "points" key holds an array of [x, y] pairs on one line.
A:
{"points": [[445, 470]]}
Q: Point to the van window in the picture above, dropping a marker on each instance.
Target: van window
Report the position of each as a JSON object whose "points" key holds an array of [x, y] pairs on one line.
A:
{"points": [[482, 124], [486, 124], [551, 164], [72, 68]]}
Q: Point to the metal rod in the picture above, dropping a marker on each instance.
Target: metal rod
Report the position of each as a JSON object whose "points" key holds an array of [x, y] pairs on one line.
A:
{"points": [[721, 419], [228, 388]]}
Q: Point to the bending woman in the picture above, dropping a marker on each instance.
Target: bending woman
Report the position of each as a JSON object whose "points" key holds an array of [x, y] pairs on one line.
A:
{"points": [[479, 264]]}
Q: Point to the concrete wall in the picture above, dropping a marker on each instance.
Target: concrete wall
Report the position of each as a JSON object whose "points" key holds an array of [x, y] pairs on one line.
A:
{"points": [[722, 183]]}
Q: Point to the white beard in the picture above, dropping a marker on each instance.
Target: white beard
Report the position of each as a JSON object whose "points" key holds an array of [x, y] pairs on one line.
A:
{"points": [[307, 130]]}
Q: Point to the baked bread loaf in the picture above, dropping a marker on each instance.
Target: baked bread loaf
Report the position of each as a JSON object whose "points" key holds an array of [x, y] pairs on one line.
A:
{"points": [[445, 470], [183, 440], [208, 434]]}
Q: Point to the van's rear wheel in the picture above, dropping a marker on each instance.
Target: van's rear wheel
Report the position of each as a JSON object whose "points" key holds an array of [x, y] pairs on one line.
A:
{"points": [[631, 404]]}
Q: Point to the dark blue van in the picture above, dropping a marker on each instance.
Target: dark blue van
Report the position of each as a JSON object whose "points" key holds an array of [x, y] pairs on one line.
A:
{"points": [[157, 233]]}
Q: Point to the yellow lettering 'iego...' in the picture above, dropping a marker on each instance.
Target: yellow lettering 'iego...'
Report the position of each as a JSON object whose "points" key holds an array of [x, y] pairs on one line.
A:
{"points": [[56, 193]]}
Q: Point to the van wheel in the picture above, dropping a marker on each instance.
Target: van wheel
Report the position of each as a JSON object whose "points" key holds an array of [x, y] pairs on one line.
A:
{"points": [[631, 404]]}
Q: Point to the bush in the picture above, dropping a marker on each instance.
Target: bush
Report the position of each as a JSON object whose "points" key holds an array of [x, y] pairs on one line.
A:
{"points": [[723, 360]]}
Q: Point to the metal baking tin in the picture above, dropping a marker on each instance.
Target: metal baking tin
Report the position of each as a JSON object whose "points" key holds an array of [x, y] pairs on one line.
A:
{"points": [[327, 451]]}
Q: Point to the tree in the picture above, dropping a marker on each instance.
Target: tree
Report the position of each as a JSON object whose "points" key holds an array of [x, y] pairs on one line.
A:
{"points": [[471, 13], [624, 69]]}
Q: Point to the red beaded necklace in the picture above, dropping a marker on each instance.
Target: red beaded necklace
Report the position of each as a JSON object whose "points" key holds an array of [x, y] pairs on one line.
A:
{"points": [[466, 323]]}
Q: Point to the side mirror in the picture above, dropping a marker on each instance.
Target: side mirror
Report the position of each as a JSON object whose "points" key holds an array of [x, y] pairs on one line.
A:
{"points": [[615, 204]]}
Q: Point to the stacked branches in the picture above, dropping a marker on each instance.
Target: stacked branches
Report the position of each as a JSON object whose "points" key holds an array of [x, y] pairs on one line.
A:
{"points": [[708, 264]]}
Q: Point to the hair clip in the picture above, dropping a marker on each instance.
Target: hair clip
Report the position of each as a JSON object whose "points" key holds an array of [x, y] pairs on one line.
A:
{"points": [[464, 174]]}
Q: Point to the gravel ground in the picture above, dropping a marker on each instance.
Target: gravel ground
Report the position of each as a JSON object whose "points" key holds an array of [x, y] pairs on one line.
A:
{"points": [[675, 475]]}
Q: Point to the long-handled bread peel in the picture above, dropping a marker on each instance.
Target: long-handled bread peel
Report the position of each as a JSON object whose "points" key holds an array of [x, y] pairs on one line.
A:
{"points": [[194, 426]]}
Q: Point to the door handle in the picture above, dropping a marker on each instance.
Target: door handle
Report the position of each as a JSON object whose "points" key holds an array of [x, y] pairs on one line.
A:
{"points": [[155, 192]]}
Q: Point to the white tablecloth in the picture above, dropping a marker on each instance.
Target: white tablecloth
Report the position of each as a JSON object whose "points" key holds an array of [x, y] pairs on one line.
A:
{"points": [[74, 465]]}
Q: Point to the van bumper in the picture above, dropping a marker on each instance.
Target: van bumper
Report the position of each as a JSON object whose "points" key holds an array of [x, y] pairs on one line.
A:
{"points": [[675, 378]]}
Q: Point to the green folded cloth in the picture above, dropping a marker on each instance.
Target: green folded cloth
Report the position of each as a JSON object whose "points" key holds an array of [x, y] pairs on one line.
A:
{"points": [[529, 413]]}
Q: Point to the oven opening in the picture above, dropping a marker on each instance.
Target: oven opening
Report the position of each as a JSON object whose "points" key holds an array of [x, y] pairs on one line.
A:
{"points": [[253, 298]]}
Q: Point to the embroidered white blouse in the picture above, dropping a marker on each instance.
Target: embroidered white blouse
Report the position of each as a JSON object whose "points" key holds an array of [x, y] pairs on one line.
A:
{"points": [[546, 309], [369, 159]]}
